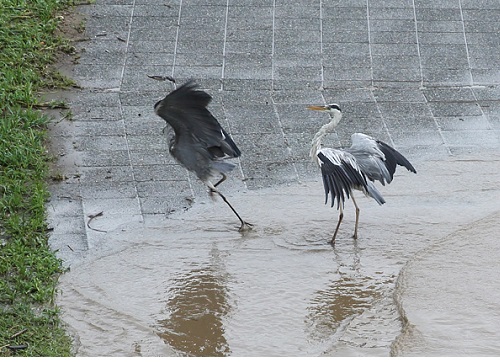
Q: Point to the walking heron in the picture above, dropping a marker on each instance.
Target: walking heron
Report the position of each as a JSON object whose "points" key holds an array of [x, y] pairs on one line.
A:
{"points": [[353, 168], [199, 143]]}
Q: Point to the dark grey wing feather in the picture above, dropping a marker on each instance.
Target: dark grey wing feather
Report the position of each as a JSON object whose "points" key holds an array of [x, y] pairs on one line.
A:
{"points": [[393, 158], [340, 175], [185, 109]]}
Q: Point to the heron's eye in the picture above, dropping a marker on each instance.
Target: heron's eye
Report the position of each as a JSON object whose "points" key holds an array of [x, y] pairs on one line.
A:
{"points": [[334, 106]]}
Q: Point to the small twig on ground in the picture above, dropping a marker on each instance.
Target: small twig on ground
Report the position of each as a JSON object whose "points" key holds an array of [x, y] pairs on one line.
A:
{"points": [[63, 118], [19, 333], [92, 217]]}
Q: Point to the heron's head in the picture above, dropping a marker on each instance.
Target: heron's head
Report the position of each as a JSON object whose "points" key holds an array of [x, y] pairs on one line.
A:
{"points": [[332, 109]]}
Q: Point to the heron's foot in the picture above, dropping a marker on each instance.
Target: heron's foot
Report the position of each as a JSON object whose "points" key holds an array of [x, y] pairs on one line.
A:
{"points": [[245, 226], [355, 236]]}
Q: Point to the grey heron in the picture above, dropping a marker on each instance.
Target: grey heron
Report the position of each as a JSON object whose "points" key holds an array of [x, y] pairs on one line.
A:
{"points": [[353, 168], [199, 143]]}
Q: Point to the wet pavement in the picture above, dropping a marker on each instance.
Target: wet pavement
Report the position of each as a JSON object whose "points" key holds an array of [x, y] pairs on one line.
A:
{"points": [[423, 76]]}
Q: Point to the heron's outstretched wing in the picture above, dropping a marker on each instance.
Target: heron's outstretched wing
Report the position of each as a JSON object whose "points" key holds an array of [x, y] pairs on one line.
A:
{"points": [[341, 174], [185, 109], [377, 159]]}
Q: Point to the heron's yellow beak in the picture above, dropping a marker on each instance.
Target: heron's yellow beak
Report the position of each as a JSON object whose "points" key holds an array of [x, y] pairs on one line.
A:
{"points": [[317, 108]]}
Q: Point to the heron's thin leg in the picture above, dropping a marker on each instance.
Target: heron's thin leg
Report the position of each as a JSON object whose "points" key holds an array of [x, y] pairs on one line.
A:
{"points": [[217, 184], [221, 180], [244, 225], [341, 216], [355, 236]]}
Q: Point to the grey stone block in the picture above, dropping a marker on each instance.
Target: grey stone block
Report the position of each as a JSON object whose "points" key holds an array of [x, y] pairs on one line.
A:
{"points": [[291, 47], [152, 46], [442, 26], [486, 76], [398, 13], [109, 29], [397, 75], [90, 175], [447, 77], [339, 25], [103, 158], [297, 97], [346, 3], [152, 157], [168, 172], [405, 25], [391, 4], [242, 71], [441, 38], [98, 76], [405, 109], [450, 109], [63, 225], [291, 10], [487, 93], [480, 4], [476, 138], [463, 123], [109, 190], [481, 26], [162, 188], [393, 37], [396, 61], [438, 14], [108, 142], [238, 84], [255, 35], [351, 95], [399, 95], [156, 10], [166, 205], [296, 24], [449, 94], [348, 74], [346, 13], [410, 123], [394, 49]]}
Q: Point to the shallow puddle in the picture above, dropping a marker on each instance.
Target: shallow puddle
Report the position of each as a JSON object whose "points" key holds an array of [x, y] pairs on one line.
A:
{"points": [[193, 285]]}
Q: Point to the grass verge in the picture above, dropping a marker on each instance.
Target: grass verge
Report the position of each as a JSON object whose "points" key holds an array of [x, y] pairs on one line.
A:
{"points": [[29, 321]]}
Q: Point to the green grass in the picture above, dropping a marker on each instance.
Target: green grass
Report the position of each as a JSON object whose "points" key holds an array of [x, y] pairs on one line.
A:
{"points": [[29, 320]]}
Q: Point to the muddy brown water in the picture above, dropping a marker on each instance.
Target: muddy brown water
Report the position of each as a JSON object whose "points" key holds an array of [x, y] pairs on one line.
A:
{"points": [[420, 279]]}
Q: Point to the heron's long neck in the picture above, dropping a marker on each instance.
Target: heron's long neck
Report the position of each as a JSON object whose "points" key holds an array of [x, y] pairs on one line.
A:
{"points": [[317, 141]]}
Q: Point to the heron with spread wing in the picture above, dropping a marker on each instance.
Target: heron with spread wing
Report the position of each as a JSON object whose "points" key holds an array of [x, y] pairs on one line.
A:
{"points": [[354, 168], [200, 144]]}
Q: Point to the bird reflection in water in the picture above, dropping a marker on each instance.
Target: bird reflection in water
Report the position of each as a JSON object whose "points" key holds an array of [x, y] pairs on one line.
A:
{"points": [[338, 303], [197, 306]]}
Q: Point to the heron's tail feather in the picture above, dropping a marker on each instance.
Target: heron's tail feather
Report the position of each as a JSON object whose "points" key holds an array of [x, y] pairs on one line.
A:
{"points": [[372, 191]]}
